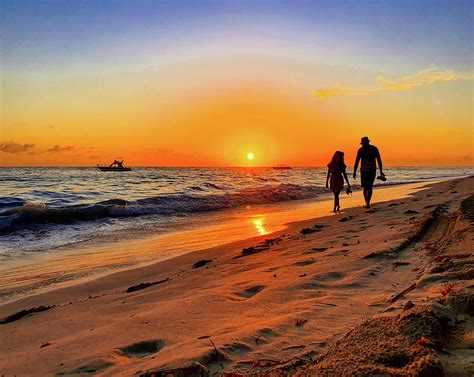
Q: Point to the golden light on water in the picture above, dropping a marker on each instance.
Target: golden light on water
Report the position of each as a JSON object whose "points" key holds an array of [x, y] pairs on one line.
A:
{"points": [[259, 224]]}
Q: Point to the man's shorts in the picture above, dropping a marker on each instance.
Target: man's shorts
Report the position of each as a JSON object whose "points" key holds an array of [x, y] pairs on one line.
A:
{"points": [[367, 178]]}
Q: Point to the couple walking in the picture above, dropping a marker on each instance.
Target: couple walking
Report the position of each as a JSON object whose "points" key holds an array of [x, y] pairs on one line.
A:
{"points": [[369, 157]]}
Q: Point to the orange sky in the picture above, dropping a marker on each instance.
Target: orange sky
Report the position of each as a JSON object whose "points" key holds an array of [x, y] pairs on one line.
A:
{"points": [[208, 100], [218, 125]]}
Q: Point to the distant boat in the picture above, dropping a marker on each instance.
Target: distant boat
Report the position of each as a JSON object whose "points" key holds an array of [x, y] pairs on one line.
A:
{"points": [[114, 166], [282, 167]]}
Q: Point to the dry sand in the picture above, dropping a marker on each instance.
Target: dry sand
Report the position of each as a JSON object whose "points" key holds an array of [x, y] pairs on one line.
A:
{"points": [[322, 297]]}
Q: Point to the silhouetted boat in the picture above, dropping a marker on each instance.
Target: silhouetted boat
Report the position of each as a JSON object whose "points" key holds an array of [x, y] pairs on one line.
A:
{"points": [[114, 166], [282, 167]]}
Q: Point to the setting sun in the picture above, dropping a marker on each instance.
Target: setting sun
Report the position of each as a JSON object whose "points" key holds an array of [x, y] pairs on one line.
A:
{"points": [[250, 156]]}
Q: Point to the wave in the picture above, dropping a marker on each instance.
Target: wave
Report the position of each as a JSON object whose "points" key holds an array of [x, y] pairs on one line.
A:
{"points": [[16, 213], [10, 202], [30, 213]]}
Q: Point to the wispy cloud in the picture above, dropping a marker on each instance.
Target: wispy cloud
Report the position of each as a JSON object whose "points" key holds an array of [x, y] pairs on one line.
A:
{"points": [[15, 148], [427, 76], [58, 148]]}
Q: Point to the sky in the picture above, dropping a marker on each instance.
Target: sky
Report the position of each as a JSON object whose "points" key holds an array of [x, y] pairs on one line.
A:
{"points": [[203, 83]]}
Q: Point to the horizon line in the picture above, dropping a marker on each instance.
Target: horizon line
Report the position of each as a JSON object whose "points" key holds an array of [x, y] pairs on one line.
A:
{"points": [[226, 167]]}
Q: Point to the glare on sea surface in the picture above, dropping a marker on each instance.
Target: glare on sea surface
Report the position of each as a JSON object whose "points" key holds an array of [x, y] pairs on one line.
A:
{"points": [[250, 156], [259, 224]]}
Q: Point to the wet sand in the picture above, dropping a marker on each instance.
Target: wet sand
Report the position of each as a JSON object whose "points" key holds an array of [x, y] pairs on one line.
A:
{"points": [[319, 297]]}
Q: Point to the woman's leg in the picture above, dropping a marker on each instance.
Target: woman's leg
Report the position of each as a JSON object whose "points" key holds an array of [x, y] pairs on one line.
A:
{"points": [[336, 201]]}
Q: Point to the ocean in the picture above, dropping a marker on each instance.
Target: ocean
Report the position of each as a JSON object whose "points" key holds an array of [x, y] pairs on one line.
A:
{"points": [[52, 209]]}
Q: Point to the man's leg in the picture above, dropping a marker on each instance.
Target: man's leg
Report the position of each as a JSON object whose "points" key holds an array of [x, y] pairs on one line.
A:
{"points": [[363, 183], [370, 183], [369, 195]]}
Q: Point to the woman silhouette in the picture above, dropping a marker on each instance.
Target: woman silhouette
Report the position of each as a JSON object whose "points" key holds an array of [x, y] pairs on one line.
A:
{"points": [[336, 171]]}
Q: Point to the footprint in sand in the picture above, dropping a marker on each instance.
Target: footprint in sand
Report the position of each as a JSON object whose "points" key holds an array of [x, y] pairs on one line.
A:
{"points": [[337, 252], [316, 250], [319, 249], [272, 269], [92, 367], [346, 218], [333, 275], [236, 348], [142, 349], [303, 263], [322, 281], [252, 291]]}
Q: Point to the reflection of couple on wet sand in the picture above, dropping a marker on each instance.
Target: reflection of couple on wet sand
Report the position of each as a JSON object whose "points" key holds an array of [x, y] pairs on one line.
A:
{"points": [[369, 157]]}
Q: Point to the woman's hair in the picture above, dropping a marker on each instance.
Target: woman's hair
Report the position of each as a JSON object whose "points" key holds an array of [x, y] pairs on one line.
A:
{"points": [[341, 160]]}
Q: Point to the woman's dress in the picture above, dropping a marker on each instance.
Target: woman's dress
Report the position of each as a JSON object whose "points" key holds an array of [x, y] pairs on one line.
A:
{"points": [[336, 183]]}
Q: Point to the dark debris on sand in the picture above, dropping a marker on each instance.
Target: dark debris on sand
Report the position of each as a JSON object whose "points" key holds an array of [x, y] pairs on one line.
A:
{"points": [[262, 246], [313, 229], [23, 313], [201, 263], [141, 286]]}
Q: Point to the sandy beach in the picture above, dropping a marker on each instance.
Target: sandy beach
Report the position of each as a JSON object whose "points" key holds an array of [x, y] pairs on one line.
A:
{"points": [[384, 291]]}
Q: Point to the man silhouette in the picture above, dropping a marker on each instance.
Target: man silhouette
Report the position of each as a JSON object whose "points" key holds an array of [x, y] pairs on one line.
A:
{"points": [[369, 154]]}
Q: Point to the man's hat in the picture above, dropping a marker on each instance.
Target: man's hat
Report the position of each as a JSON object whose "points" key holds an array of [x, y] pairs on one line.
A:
{"points": [[365, 139]]}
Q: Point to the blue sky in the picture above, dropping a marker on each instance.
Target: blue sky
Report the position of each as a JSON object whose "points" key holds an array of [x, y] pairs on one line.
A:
{"points": [[403, 34]]}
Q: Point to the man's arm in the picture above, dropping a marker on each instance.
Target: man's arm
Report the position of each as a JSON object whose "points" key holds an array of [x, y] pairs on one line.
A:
{"points": [[379, 162], [356, 164], [327, 178]]}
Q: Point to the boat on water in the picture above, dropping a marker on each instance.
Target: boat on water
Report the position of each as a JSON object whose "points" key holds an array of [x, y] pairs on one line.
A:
{"points": [[282, 167], [115, 166]]}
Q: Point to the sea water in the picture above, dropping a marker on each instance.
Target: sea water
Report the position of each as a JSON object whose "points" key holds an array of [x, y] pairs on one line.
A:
{"points": [[50, 209]]}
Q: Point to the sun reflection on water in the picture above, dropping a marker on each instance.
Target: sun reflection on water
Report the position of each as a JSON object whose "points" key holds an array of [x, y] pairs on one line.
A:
{"points": [[259, 224]]}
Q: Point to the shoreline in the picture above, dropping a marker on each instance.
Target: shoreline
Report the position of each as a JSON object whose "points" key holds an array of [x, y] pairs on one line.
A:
{"points": [[89, 261], [248, 306]]}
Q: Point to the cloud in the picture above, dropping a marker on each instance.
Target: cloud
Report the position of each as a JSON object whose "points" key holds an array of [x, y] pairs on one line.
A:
{"points": [[427, 76], [50, 126], [58, 148], [16, 148]]}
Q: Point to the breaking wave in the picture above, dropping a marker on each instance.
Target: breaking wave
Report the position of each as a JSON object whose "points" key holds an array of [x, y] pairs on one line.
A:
{"points": [[31, 213]]}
